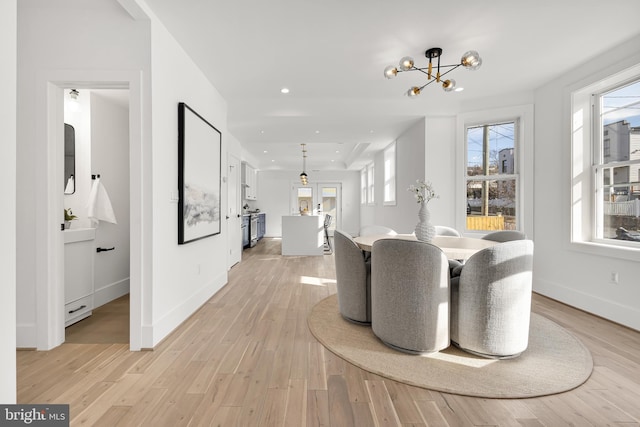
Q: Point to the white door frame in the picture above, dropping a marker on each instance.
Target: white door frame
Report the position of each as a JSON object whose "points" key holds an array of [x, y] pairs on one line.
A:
{"points": [[234, 218], [293, 199], [49, 250]]}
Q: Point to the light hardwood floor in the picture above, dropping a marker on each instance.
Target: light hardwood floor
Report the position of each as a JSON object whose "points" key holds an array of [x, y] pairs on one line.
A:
{"points": [[247, 358]]}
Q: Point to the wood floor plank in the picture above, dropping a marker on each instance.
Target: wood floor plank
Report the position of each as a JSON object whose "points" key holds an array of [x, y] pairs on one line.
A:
{"points": [[384, 411], [143, 409], [340, 410], [403, 402], [296, 414], [317, 408], [247, 358]]}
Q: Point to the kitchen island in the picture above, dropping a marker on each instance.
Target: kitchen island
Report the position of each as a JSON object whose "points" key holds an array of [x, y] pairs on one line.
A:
{"points": [[303, 235]]}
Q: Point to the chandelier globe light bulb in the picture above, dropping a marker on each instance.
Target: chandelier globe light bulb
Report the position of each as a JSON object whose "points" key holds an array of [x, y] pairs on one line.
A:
{"points": [[448, 85], [471, 60], [390, 72], [406, 63], [413, 92]]}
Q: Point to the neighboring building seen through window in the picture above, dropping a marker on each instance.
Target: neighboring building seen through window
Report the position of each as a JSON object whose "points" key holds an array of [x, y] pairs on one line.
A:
{"points": [[617, 166]]}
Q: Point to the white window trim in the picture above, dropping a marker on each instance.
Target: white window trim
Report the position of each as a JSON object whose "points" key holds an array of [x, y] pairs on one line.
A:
{"points": [[523, 114], [582, 128], [364, 188], [390, 202], [371, 184]]}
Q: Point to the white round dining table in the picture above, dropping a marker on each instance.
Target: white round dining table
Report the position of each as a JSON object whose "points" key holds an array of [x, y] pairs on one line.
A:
{"points": [[460, 248]]}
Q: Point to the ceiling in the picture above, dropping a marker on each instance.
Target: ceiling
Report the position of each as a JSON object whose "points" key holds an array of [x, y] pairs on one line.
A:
{"points": [[331, 55]]}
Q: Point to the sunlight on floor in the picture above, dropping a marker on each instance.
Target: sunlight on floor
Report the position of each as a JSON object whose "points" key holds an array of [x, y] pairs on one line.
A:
{"points": [[316, 281], [473, 362]]}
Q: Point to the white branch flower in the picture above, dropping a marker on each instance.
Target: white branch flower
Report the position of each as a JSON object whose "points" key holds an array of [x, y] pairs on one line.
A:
{"points": [[423, 191]]}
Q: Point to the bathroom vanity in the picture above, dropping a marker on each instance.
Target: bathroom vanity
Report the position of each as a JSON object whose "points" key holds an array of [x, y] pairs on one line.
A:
{"points": [[79, 247]]}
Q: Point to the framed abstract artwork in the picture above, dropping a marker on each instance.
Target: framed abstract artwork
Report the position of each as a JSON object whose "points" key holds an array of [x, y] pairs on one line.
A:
{"points": [[199, 176]]}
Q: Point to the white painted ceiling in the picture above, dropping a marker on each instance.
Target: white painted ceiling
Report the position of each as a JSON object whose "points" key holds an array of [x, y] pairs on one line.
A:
{"points": [[331, 55]]}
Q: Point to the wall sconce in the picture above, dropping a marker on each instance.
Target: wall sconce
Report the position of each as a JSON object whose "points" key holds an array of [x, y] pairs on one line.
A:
{"points": [[74, 104]]}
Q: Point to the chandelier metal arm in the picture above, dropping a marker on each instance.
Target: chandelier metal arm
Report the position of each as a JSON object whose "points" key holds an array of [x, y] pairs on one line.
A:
{"points": [[453, 67], [441, 76]]}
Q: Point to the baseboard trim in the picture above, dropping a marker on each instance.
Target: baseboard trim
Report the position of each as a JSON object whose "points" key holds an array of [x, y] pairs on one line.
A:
{"points": [[110, 292], [152, 335], [26, 335], [609, 310]]}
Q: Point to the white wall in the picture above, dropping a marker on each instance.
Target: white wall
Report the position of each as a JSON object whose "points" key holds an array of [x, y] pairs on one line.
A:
{"points": [[173, 280], [561, 270], [8, 44], [274, 196], [440, 166], [110, 159], [410, 166], [184, 276], [49, 52]]}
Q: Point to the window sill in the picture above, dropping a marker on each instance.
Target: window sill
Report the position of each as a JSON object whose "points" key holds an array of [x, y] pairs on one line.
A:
{"points": [[607, 250]]}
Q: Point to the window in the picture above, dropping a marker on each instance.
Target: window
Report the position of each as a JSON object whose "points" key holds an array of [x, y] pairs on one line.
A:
{"points": [[370, 184], [491, 178], [390, 174], [363, 186], [616, 161], [605, 163], [305, 200]]}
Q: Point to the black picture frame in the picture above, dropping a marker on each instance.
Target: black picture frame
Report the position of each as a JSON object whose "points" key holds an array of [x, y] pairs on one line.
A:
{"points": [[199, 176]]}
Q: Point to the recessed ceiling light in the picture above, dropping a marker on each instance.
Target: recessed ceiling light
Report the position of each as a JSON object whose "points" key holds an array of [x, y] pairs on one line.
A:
{"points": [[272, 161], [332, 160], [317, 131], [284, 90], [337, 151], [458, 89], [261, 131], [265, 151]]}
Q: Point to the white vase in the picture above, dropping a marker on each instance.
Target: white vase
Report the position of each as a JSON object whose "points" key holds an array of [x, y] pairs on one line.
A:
{"points": [[424, 230]]}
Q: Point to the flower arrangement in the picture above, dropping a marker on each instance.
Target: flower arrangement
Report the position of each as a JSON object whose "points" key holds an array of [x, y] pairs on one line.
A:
{"points": [[423, 192], [68, 215]]}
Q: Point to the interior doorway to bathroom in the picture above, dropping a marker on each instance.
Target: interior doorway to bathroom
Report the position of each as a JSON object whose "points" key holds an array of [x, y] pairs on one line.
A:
{"points": [[96, 192]]}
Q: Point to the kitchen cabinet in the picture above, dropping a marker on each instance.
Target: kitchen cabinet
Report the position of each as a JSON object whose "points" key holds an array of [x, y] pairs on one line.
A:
{"points": [[249, 182], [262, 225], [245, 231]]}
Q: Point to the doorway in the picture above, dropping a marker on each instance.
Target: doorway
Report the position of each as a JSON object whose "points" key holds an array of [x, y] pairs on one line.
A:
{"points": [[234, 219], [97, 306], [319, 199], [49, 326]]}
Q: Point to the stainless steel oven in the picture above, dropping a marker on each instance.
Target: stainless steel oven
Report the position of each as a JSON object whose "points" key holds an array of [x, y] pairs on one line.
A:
{"points": [[253, 229]]}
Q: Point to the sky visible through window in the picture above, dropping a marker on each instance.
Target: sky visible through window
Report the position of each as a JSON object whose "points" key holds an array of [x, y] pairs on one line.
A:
{"points": [[622, 104], [501, 136]]}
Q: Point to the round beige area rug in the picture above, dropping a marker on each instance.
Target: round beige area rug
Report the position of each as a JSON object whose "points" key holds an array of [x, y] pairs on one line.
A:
{"points": [[555, 360]]}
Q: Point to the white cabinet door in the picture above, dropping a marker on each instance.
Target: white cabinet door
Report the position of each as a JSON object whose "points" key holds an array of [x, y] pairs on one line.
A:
{"points": [[250, 182]]}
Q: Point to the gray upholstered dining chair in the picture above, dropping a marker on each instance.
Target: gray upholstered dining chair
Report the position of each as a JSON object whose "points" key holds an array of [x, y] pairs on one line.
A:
{"points": [[353, 279], [443, 230], [410, 295], [505, 236], [491, 301]]}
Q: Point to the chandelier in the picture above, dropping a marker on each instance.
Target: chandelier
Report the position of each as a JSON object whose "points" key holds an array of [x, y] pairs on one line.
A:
{"points": [[303, 175], [470, 60]]}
